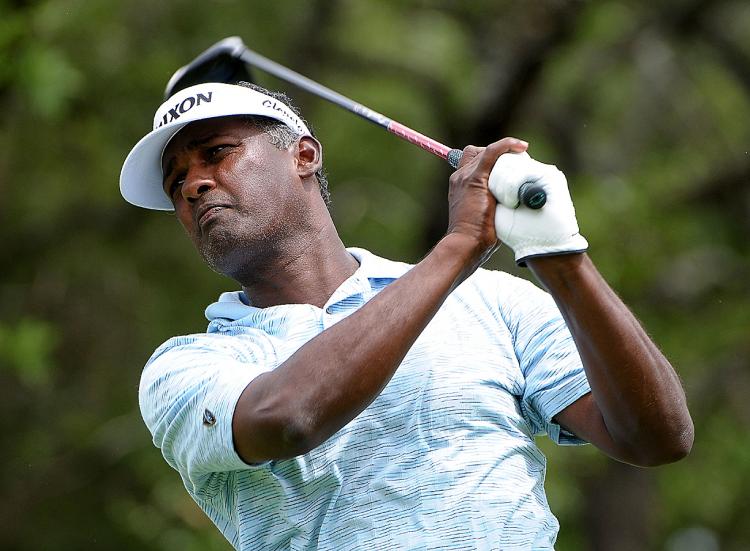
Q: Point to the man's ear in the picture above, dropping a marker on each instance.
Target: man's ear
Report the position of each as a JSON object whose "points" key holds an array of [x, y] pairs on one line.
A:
{"points": [[309, 156]]}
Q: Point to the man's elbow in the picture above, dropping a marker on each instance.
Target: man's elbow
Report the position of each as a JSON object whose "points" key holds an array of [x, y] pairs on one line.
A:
{"points": [[259, 438], [267, 426], [669, 449], [297, 438]]}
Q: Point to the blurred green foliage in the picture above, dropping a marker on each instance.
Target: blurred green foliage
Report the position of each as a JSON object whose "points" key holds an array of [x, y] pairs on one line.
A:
{"points": [[25, 349], [644, 105]]}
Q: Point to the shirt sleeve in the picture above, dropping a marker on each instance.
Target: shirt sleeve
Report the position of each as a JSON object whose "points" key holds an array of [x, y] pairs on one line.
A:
{"points": [[187, 396], [548, 358]]}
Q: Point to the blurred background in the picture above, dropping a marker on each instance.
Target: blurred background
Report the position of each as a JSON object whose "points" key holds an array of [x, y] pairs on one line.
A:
{"points": [[645, 105]]}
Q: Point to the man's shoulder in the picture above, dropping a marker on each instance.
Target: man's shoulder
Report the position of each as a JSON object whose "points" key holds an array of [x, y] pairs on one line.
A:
{"points": [[188, 352], [197, 358], [485, 285], [203, 343], [183, 342], [499, 284]]}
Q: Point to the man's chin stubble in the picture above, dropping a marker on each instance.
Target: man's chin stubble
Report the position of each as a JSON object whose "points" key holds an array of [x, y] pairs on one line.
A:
{"points": [[230, 256]]}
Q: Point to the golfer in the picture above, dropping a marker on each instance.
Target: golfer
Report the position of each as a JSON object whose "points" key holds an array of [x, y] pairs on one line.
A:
{"points": [[343, 401]]}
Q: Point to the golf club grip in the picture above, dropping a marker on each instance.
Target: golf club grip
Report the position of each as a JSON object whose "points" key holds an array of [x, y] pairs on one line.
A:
{"points": [[531, 194], [420, 140]]}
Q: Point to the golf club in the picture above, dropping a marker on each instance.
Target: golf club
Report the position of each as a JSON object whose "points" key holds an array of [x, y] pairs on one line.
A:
{"points": [[228, 61]]}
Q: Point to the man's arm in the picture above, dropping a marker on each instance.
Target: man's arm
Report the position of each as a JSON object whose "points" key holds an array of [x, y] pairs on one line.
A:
{"points": [[636, 411], [338, 373]]}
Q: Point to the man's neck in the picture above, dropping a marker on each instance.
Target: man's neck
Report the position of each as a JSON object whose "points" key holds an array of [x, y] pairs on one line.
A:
{"points": [[307, 273]]}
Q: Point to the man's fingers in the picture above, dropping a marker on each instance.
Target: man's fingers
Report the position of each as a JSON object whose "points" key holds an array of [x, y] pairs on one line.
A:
{"points": [[491, 153], [484, 157], [470, 151]]}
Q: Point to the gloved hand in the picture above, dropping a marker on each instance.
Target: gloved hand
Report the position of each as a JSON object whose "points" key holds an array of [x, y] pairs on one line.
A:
{"points": [[551, 230]]}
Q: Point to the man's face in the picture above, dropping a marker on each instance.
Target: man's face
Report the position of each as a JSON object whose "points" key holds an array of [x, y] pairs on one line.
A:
{"points": [[236, 194]]}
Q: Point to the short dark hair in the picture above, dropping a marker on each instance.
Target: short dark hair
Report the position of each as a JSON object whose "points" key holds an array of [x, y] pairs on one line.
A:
{"points": [[281, 135]]}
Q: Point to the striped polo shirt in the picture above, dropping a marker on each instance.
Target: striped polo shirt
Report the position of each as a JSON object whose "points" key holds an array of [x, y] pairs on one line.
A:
{"points": [[444, 457]]}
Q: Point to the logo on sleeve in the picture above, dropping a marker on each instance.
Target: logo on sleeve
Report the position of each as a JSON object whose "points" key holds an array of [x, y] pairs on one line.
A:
{"points": [[209, 419]]}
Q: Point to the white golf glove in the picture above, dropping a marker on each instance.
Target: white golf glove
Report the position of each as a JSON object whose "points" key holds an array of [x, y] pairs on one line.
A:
{"points": [[551, 230]]}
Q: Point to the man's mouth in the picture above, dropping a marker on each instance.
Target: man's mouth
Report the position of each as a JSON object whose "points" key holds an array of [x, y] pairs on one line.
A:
{"points": [[207, 213]]}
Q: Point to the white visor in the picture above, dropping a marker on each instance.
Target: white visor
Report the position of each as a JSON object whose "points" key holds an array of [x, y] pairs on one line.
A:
{"points": [[141, 175]]}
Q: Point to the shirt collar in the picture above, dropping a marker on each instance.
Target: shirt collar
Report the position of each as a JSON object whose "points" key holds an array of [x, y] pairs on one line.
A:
{"points": [[232, 306], [375, 267]]}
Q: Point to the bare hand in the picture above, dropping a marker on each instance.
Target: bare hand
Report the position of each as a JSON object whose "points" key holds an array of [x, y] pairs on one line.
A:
{"points": [[471, 205]]}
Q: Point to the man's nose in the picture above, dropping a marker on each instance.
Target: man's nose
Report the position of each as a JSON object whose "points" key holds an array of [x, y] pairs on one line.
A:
{"points": [[198, 180]]}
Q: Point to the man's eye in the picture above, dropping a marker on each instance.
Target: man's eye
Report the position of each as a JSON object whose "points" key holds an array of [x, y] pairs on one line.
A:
{"points": [[216, 150], [175, 186]]}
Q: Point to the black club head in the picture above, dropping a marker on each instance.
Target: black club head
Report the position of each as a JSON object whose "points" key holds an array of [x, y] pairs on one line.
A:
{"points": [[220, 63]]}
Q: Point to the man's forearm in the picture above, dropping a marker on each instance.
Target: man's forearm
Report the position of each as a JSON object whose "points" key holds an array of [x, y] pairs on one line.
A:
{"points": [[637, 391], [337, 374]]}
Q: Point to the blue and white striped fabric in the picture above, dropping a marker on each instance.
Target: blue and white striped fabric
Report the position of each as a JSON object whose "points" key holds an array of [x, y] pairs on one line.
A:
{"points": [[444, 458]]}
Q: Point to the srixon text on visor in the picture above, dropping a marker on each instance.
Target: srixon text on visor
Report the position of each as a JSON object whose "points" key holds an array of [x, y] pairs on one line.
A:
{"points": [[183, 107], [193, 101]]}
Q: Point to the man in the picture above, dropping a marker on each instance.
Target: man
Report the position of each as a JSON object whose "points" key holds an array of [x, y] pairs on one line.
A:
{"points": [[344, 401]]}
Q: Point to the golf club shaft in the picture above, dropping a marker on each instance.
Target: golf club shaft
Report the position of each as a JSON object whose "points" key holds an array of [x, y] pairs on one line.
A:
{"points": [[530, 194], [254, 59]]}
